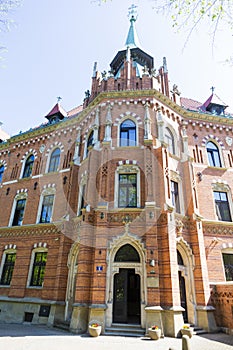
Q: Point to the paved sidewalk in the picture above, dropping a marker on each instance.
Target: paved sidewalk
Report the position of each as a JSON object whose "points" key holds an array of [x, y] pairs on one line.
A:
{"points": [[25, 337]]}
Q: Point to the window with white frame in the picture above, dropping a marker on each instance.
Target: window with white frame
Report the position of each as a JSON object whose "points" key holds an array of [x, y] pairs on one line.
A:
{"points": [[19, 212], [81, 200], [27, 172], [2, 169], [47, 208], [222, 206], [54, 160], [169, 140], [89, 143], [175, 196], [37, 268], [128, 133], [213, 154], [7, 267], [228, 265], [127, 194], [127, 186]]}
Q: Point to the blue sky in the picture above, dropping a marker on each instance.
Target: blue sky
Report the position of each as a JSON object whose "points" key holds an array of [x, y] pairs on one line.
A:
{"points": [[55, 43]]}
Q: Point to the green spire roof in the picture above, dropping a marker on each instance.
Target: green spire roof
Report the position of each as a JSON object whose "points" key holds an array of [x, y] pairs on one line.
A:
{"points": [[132, 38]]}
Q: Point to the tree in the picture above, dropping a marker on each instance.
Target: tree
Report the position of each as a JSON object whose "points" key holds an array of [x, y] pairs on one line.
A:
{"points": [[191, 13], [6, 7]]}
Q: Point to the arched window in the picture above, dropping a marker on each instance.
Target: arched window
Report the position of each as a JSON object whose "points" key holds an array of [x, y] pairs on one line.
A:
{"points": [[228, 264], [179, 258], [7, 266], [128, 133], [213, 154], [2, 169], [169, 139], [127, 253], [90, 141], [37, 267], [28, 166], [54, 160]]}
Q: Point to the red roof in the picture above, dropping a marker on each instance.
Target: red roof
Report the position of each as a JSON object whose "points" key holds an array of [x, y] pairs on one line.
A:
{"points": [[57, 109], [190, 104], [75, 111]]}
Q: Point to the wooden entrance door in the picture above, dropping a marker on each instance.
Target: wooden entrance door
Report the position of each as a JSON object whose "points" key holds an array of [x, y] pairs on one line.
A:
{"points": [[183, 299], [126, 304]]}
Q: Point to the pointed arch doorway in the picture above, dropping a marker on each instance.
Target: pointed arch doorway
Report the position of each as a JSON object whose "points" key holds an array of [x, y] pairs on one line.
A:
{"points": [[126, 287], [185, 262]]}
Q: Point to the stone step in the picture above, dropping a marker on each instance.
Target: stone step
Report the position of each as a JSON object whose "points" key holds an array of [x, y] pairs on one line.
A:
{"points": [[198, 330], [125, 330]]}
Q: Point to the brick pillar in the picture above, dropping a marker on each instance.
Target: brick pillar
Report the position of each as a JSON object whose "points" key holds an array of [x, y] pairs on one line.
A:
{"points": [[205, 317], [168, 270]]}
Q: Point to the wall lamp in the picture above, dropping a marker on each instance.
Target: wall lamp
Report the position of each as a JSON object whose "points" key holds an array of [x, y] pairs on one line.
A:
{"points": [[199, 175]]}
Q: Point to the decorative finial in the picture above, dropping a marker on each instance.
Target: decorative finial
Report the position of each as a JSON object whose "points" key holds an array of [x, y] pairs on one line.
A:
{"points": [[132, 13], [212, 89], [59, 99]]}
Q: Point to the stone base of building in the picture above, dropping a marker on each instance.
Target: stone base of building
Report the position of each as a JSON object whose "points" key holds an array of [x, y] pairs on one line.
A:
{"points": [[84, 314], [154, 318], [79, 319], [205, 318], [31, 310], [173, 321]]}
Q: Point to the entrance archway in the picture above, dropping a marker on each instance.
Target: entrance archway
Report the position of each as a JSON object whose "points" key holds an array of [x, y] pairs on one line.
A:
{"points": [[185, 261], [126, 289], [183, 298], [126, 296], [126, 299]]}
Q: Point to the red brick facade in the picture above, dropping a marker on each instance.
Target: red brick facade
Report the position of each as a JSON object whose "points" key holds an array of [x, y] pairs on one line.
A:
{"points": [[72, 247]]}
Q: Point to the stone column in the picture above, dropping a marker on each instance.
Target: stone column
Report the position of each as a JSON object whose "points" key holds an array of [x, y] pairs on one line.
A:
{"points": [[147, 124], [108, 125], [96, 129], [76, 157]]}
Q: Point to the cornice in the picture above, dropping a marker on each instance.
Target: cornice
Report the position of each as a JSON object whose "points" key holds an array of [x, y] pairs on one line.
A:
{"points": [[141, 95]]}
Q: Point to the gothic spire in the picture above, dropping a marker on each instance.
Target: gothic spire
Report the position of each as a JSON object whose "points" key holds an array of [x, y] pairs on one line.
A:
{"points": [[132, 38]]}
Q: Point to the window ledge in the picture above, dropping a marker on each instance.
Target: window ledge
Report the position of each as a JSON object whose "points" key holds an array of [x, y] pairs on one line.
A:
{"points": [[218, 222], [217, 168]]}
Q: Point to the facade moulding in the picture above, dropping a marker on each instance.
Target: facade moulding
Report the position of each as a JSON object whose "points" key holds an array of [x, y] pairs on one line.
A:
{"points": [[217, 228], [32, 230]]}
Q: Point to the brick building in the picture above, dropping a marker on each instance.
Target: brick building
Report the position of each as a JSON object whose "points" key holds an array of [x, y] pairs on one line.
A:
{"points": [[120, 210]]}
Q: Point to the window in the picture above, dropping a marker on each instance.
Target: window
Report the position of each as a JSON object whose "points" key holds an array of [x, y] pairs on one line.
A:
{"points": [[54, 160], [1, 172], [81, 204], [169, 140], [222, 206], [46, 209], [127, 190], [127, 253], [128, 133], [19, 212], [90, 141], [8, 268], [175, 196], [213, 154], [228, 265], [28, 166], [38, 269]]}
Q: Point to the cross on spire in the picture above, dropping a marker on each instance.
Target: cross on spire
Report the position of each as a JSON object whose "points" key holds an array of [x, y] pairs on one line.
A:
{"points": [[212, 89], [132, 12]]}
